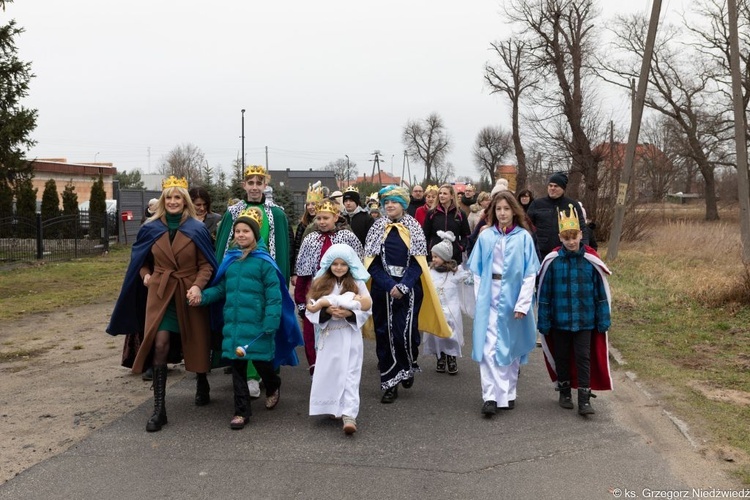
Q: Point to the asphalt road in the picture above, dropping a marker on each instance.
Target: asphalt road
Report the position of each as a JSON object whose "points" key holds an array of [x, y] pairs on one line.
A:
{"points": [[431, 443]]}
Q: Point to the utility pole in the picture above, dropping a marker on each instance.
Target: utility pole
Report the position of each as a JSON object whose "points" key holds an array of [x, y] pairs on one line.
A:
{"points": [[739, 132], [376, 162], [266, 158], [243, 141], [347, 171], [635, 128], [405, 167]]}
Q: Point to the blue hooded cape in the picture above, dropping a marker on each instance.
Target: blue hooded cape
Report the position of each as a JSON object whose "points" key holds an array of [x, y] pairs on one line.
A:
{"points": [[129, 315], [288, 336]]}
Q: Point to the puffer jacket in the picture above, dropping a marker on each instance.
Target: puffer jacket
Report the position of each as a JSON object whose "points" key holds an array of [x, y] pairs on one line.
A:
{"points": [[252, 310]]}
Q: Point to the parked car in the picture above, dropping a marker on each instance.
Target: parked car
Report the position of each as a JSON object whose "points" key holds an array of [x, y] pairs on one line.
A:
{"points": [[83, 209]]}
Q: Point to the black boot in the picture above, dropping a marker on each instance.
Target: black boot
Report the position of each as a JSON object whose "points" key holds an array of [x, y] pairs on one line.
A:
{"points": [[566, 400], [202, 389], [159, 418], [584, 402]]}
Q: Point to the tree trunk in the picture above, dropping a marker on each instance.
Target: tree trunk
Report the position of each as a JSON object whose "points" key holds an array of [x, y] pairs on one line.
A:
{"points": [[521, 175], [712, 211]]}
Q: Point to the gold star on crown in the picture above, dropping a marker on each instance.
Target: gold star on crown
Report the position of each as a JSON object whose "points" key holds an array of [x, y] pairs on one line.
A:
{"points": [[351, 189], [314, 193], [172, 182], [254, 214], [432, 188], [567, 223], [251, 170], [328, 206]]}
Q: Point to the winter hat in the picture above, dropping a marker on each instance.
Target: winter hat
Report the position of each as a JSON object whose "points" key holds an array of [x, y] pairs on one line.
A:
{"points": [[500, 185], [559, 178], [351, 193], [444, 249], [394, 193], [348, 255], [253, 217]]}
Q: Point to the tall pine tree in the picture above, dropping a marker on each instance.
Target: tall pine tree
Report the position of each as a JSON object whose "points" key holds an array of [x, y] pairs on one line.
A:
{"points": [[16, 121], [50, 200]]}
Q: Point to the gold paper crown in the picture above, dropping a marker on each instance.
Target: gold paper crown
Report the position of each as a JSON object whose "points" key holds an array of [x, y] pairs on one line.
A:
{"points": [[328, 206], [254, 214], [255, 170], [314, 194], [374, 196], [173, 182], [567, 223], [351, 189], [432, 188]]}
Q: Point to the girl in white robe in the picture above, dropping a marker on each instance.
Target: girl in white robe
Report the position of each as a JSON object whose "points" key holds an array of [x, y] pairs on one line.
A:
{"points": [[338, 304], [448, 278]]}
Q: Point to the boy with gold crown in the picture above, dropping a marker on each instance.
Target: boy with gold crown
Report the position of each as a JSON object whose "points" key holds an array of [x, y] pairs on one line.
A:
{"points": [[358, 218], [574, 316], [311, 251]]}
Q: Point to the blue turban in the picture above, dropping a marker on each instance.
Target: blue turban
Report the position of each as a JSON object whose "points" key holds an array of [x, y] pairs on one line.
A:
{"points": [[394, 193], [348, 255]]}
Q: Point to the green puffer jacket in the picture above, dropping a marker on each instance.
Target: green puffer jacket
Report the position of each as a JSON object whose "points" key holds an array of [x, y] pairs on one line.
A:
{"points": [[252, 311]]}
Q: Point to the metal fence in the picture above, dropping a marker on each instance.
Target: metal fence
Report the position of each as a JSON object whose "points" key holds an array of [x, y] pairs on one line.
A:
{"points": [[59, 238]]}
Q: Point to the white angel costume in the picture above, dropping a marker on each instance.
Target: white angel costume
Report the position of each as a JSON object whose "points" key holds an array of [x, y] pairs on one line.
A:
{"points": [[339, 344]]}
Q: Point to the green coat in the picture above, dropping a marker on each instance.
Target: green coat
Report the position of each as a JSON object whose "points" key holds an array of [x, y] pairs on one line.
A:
{"points": [[283, 239], [252, 310]]}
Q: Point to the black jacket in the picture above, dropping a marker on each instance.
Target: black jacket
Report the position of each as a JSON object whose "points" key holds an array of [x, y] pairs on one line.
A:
{"points": [[359, 222], [414, 205], [455, 220], [543, 213]]}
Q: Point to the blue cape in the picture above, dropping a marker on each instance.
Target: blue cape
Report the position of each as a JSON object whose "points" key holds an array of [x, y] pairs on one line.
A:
{"points": [[288, 336], [129, 315]]}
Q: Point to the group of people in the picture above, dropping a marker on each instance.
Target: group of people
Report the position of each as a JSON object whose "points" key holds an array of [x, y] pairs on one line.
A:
{"points": [[216, 293]]}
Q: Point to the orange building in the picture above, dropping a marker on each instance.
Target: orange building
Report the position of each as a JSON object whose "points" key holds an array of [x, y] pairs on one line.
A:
{"points": [[509, 173], [81, 175]]}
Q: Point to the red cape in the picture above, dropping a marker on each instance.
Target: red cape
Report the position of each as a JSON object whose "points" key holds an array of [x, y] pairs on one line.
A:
{"points": [[600, 376]]}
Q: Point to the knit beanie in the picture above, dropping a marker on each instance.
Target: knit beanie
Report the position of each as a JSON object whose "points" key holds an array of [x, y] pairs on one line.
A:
{"points": [[244, 217], [444, 249], [500, 185], [559, 178], [352, 195]]}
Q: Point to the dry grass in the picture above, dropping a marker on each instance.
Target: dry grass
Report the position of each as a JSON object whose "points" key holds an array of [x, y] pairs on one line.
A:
{"points": [[707, 254], [681, 317]]}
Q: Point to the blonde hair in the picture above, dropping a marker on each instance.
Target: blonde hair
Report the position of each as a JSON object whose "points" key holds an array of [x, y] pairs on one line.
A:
{"points": [[452, 191], [161, 208]]}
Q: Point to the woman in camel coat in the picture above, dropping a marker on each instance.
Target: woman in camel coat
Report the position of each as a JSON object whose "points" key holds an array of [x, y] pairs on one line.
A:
{"points": [[172, 254]]}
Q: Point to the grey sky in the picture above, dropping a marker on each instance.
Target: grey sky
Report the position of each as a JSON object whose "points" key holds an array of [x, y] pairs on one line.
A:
{"points": [[318, 80]]}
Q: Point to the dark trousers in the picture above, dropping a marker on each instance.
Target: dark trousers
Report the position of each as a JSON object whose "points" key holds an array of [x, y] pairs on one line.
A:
{"points": [[271, 380], [568, 344]]}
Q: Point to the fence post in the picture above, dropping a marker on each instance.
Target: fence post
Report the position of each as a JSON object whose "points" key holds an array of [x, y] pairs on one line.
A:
{"points": [[106, 232], [39, 237]]}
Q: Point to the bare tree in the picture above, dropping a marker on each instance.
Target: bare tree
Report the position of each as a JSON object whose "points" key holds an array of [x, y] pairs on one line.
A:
{"points": [[711, 41], [661, 162], [491, 146], [562, 42], [444, 173], [186, 161], [681, 87], [427, 141], [344, 170], [511, 78]]}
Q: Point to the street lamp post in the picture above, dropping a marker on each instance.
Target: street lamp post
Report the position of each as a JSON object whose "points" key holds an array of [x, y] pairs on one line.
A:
{"points": [[347, 171], [243, 140]]}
